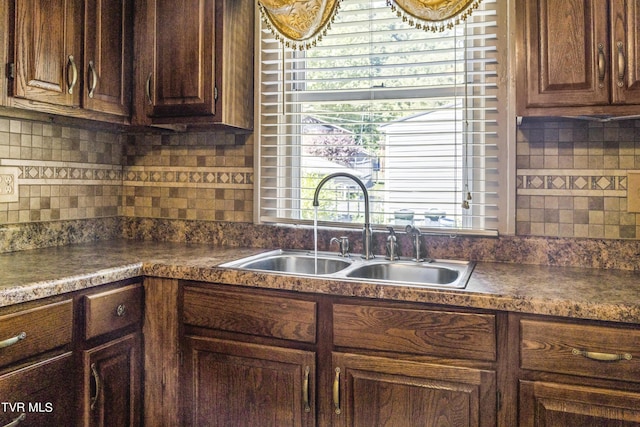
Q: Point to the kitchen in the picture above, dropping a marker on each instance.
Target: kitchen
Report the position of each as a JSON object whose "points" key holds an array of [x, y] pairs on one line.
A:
{"points": [[89, 204]]}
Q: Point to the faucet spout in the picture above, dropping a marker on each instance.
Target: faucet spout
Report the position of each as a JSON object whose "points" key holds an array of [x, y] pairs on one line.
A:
{"points": [[366, 232]]}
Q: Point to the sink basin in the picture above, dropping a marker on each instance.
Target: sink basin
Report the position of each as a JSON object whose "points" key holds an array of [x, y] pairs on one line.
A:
{"points": [[435, 273], [453, 274], [293, 262]]}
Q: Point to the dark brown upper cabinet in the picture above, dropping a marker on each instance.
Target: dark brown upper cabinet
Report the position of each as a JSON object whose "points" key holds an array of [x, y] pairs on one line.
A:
{"points": [[72, 58], [578, 57], [194, 63]]}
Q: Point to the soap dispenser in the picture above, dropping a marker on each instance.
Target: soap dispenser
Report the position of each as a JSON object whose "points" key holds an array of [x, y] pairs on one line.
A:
{"points": [[392, 246]]}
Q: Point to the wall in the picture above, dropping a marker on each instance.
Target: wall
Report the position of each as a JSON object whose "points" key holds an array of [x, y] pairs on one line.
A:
{"points": [[189, 176], [51, 172], [572, 178]]}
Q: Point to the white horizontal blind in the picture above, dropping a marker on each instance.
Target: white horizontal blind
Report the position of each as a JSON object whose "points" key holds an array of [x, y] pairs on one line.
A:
{"points": [[412, 113]]}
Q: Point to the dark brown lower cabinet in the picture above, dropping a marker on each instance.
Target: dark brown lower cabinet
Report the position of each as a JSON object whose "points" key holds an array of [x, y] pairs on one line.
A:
{"points": [[112, 383], [41, 394], [561, 405], [230, 383], [380, 391]]}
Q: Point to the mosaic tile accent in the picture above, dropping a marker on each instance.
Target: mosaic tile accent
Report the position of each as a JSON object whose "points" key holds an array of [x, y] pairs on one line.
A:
{"points": [[578, 182], [200, 177]]}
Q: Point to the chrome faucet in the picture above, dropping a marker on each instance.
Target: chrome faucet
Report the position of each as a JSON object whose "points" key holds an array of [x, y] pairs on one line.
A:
{"points": [[414, 232], [366, 231]]}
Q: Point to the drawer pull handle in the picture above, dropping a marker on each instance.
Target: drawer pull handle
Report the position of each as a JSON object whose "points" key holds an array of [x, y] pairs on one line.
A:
{"points": [[148, 89], [11, 341], [73, 79], [602, 357], [621, 64], [601, 66], [121, 310], [336, 392], [94, 79], [305, 391], [96, 378], [17, 421]]}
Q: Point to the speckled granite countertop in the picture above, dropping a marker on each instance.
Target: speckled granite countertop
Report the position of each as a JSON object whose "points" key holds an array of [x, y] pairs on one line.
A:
{"points": [[611, 295]]}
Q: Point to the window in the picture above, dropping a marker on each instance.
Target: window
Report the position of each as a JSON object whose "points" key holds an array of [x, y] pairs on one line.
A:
{"points": [[411, 113]]}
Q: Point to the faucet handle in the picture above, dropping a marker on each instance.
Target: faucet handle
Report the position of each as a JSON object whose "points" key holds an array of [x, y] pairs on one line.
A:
{"points": [[343, 245], [412, 229]]}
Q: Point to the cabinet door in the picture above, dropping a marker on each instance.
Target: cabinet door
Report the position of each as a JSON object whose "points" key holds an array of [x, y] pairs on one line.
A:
{"points": [[561, 405], [181, 81], [625, 51], [228, 383], [111, 384], [374, 391], [108, 54], [41, 394], [47, 51], [564, 57]]}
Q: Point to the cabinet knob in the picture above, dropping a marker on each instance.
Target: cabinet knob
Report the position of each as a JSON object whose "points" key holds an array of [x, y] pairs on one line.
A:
{"points": [[121, 310]]}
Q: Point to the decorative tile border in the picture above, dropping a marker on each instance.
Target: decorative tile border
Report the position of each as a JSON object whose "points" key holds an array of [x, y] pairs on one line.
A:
{"points": [[63, 173], [572, 183], [241, 178]]}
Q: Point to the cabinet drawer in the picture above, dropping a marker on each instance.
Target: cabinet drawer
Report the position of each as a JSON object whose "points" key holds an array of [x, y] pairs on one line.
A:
{"points": [[112, 310], [586, 350], [432, 332], [268, 316], [41, 394], [34, 331]]}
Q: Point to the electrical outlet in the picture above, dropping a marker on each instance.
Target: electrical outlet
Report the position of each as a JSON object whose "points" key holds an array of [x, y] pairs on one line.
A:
{"points": [[633, 192]]}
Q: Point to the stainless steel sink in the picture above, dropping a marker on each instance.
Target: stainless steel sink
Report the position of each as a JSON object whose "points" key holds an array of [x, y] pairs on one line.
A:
{"points": [[430, 273], [435, 273], [293, 262]]}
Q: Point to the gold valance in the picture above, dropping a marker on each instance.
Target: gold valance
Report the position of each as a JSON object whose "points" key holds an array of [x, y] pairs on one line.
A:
{"points": [[301, 23], [433, 15]]}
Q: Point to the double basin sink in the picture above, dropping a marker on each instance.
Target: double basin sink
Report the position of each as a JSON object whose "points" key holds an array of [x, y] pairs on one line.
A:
{"points": [[431, 273]]}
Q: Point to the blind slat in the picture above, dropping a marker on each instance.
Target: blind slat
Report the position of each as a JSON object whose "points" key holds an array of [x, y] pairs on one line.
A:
{"points": [[409, 112]]}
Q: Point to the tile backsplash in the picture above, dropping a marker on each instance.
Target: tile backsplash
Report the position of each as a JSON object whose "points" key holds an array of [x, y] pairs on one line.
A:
{"points": [[572, 178], [192, 176], [52, 172]]}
